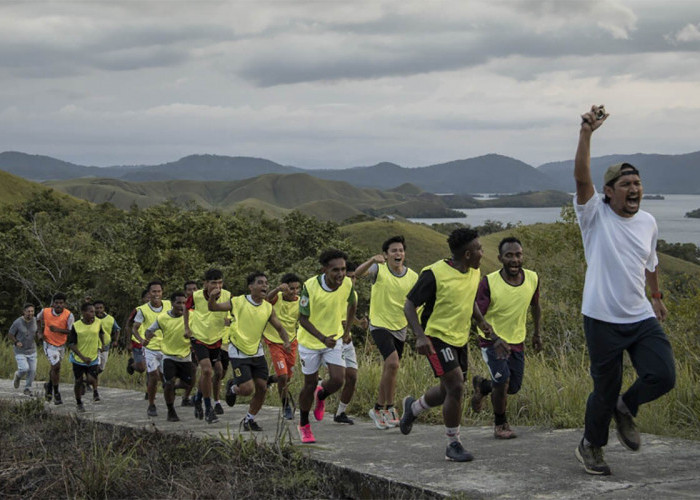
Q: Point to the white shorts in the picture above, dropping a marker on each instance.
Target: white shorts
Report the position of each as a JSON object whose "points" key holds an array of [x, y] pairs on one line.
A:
{"points": [[153, 360], [104, 355], [54, 353], [311, 359], [349, 355]]}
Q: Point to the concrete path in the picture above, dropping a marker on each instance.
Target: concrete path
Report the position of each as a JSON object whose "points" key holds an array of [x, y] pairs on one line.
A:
{"points": [[540, 463]]}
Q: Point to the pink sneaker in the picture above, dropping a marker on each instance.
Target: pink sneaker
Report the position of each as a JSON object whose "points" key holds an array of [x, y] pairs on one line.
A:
{"points": [[320, 408], [305, 434]]}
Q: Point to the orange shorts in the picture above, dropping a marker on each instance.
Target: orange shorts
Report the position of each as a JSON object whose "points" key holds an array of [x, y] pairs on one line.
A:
{"points": [[283, 361]]}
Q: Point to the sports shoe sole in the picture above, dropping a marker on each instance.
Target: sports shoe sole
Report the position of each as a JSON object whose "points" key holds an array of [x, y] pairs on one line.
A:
{"points": [[585, 467]]}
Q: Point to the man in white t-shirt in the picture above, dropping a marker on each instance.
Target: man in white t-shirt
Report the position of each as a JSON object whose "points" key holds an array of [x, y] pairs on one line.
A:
{"points": [[619, 241]]}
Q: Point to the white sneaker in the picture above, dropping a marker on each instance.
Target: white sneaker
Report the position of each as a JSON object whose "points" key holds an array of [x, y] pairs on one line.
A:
{"points": [[378, 418], [391, 418]]}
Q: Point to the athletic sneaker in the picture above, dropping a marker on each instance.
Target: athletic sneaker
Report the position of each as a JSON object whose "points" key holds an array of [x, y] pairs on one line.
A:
{"points": [[80, 408], [477, 401], [406, 422], [230, 395], [198, 411], [210, 416], [627, 432], [47, 391], [27, 392], [172, 416], [57, 399], [288, 412], [15, 381], [592, 458], [378, 418], [218, 409], [456, 453], [504, 431], [342, 418], [305, 434], [251, 425], [187, 402], [130, 366], [96, 397], [320, 408], [391, 418], [152, 412]]}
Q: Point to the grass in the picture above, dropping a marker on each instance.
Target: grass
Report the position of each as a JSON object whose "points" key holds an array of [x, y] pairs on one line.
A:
{"points": [[50, 456]]}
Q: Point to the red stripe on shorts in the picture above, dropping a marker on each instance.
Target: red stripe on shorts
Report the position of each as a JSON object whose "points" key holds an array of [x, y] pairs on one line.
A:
{"points": [[435, 363]]}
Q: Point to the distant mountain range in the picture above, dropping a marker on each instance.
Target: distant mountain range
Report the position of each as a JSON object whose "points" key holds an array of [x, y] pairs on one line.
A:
{"points": [[669, 174]]}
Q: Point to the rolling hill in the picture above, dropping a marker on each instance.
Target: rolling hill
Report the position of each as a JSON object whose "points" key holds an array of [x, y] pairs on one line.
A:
{"points": [[14, 189]]}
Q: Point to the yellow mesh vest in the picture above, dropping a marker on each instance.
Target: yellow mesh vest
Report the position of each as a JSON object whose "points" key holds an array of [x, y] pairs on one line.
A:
{"points": [[288, 314], [450, 320], [388, 296], [327, 311], [107, 325], [88, 339], [149, 316], [251, 321], [174, 342], [507, 312], [208, 326]]}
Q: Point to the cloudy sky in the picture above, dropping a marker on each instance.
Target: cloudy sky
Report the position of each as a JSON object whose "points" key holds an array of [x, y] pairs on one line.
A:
{"points": [[346, 83]]}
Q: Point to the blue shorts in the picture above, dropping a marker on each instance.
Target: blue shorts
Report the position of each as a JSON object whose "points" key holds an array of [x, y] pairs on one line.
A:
{"points": [[138, 355], [511, 369]]}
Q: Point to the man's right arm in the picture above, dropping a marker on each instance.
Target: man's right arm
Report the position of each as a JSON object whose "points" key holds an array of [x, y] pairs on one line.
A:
{"points": [[585, 189]]}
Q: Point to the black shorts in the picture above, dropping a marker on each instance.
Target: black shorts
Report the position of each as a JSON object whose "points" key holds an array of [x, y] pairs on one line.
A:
{"points": [[224, 361], [387, 343], [80, 370], [245, 369], [203, 351], [177, 369], [448, 357]]}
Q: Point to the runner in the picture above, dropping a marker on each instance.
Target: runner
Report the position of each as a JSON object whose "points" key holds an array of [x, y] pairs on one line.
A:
{"points": [[84, 341], [111, 331], [391, 282], [205, 328], [503, 298], [326, 300], [447, 288], [349, 358], [285, 302], [619, 241], [253, 313], [145, 316], [137, 361], [22, 334], [175, 346], [55, 322]]}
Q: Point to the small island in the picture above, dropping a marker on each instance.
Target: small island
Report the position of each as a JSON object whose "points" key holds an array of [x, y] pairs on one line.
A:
{"points": [[654, 197], [695, 214]]}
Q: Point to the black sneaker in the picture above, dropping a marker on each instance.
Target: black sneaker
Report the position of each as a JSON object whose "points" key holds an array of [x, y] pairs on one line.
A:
{"points": [[406, 422], [593, 459], [152, 412], [96, 397], [251, 425], [198, 411], [342, 418], [627, 432], [187, 402], [47, 390], [230, 396], [172, 416], [210, 416], [80, 408], [288, 412], [456, 453], [218, 409], [57, 399]]}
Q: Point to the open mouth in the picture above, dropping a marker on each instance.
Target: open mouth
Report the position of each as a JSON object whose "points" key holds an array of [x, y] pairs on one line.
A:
{"points": [[632, 202]]}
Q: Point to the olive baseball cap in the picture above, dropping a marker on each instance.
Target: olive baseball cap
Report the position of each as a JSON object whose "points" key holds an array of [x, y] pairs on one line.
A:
{"points": [[618, 170]]}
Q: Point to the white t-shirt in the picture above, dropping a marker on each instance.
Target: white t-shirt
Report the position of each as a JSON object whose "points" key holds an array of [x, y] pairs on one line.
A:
{"points": [[618, 250]]}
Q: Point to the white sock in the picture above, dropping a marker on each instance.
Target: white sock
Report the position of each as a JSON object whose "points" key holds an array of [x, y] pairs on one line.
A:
{"points": [[452, 434], [341, 408], [249, 416], [419, 406]]}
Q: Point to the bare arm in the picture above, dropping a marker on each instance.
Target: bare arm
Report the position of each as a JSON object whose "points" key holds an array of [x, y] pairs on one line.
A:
{"points": [[423, 343], [349, 320], [536, 310], [362, 269], [275, 322], [657, 302], [582, 163]]}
